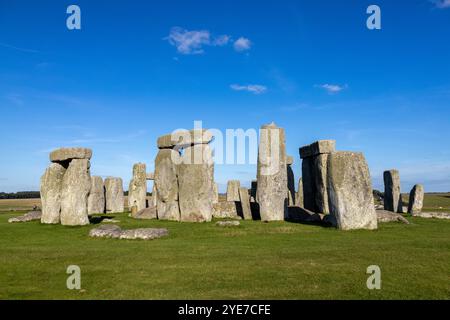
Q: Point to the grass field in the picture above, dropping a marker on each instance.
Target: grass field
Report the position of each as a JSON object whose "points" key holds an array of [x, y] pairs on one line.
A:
{"points": [[202, 261]]}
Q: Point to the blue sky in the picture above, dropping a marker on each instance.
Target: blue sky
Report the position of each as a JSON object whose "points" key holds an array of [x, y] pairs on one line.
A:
{"points": [[140, 69]]}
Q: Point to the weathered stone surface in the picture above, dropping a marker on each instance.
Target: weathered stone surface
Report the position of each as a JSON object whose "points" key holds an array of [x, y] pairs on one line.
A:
{"points": [[151, 176], [228, 223], [27, 217], [184, 138], [233, 190], [253, 190], [67, 154], [384, 216], [215, 193], [416, 199], [114, 195], [272, 174], [297, 214], [318, 147], [392, 195], [106, 231], [433, 215], [289, 160], [96, 199], [245, 203], [350, 191], [51, 186], [147, 214], [320, 180], [225, 210], [166, 184], [309, 185], [74, 193], [137, 191], [195, 180], [290, 185], [154, 199], [115, 232], [299, 196]]}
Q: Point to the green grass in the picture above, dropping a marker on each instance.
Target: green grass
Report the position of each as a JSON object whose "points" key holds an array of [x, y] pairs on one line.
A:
{"points": [[203, 261]]}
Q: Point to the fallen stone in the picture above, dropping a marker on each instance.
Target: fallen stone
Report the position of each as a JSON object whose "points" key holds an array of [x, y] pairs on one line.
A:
{"points": [[51, 186], [107, 220], [350, 191], [137, 191], [384, 216], [147, 214], [272, 189], [106, 231], [245, 203], [67, 154], [27, 217], [96, 199], [416, 199], [143, 234], [74, 193], [233, 190], [392, 195], [228, 223], [297, 214], [432, 215], [114, 195]]}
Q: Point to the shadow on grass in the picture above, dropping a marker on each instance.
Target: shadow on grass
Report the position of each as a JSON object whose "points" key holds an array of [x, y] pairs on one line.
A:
{"points": [[99, 219]]}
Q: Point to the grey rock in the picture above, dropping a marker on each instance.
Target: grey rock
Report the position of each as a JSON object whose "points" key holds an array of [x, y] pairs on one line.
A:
{"points": [[143, 234], [320, 163], [299, 196], [215, 193], [309, 185], [195, 180], [384, 216], [272, 174], [147, 214], [183, 138], [416, 199], [51, 186], [392, 195], [137, 191], [96, 199], [166, 184], [318, 147], [253, 190], [350, 191], [297, 214], [233, 190], [67, 154], [432, 215], [27, 217], [151, 176], [114, 195], [108, 220], [74, 193], [106, 231], [245, 203], [291, 185], [228, 223], [225, 210]]}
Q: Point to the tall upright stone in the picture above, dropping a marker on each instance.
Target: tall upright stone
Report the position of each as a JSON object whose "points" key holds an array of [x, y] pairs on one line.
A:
{"points": [[253, 190], [215, 193], [114, 195], [320, 179], [137, 191], [195, 180], [350, 191], [233, 190], [309, 185], [272, 174], [74, 193], [166, 184], [245, 203], [51, 186], [96, 199], [416, 197], [392, 195], [290, 180], [299, 197]]}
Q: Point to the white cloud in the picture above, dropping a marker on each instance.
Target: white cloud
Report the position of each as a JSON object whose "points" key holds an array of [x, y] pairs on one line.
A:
{"points": [[221, 40], [332, 88], [188, 42], [242, 44], [253, 88], [441, 4]]}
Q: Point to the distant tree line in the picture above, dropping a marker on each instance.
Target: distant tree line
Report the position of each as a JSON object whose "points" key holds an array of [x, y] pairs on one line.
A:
{"points": [[20, 195]]}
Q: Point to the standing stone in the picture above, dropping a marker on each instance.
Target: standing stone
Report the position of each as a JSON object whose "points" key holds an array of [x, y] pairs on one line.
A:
{"points": [[350, 191], [74, 193], [290, 180], [245, 203], [416, 199], [233, 190], [309, 186], [392, 195], [137, 191], [195, 180], [215, 193], [272, 174], [166, 184], [299, 197], [154, 200], [253, 191], [320, 180], [114, 195], [96, 199], [51, 185]]}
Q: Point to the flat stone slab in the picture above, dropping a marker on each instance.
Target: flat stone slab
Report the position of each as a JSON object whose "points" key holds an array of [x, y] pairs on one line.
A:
{"points": [[65, 154], [115, 232], [318, 147], [182, 139], [146, 214], [228, 223], [298, 214], [433, 215], [27, 217], [384, 216]]}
